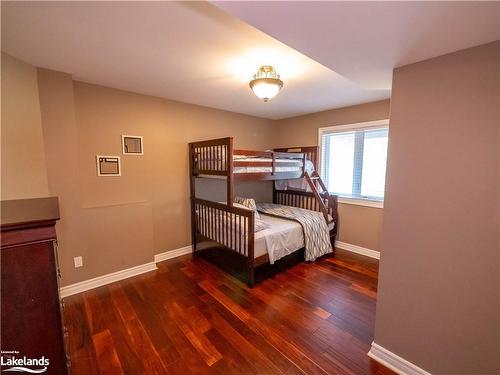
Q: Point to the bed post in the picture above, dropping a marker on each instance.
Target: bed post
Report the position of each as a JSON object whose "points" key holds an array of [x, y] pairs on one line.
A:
{"points": [[192, 194], [229, 163], [251, 242], [333, 203], [304, 164]]}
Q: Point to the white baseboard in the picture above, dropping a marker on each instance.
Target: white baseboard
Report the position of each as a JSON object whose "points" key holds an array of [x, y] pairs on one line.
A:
{"points": [[394, 362], [357, 249], [137, 270], [173, 253], [82, 286]]}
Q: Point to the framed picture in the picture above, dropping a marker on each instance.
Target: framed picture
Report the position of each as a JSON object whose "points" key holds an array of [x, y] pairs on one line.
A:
{"points": [[132, 145], [108, 165]]}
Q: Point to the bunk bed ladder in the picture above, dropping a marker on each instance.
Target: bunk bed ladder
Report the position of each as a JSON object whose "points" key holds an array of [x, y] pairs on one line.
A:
{"points": [[314, 180]]}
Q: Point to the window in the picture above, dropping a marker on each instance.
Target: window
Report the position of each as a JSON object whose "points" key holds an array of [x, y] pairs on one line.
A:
{"points": [[353, 160]]}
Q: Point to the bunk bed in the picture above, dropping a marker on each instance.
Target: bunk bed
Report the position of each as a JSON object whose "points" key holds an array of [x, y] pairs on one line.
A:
{"points": [[228, 227]]}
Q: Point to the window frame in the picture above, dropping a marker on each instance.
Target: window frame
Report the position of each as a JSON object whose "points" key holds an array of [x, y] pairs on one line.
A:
{"points": [[369, 202]]}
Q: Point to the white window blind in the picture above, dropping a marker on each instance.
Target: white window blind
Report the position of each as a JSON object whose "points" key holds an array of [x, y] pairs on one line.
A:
{"points": [[353, 161]]}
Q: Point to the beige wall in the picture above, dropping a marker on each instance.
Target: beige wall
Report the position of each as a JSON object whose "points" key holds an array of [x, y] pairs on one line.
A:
{"points": [[359, 225], [22, 143], [125, 220], [438, 304]]}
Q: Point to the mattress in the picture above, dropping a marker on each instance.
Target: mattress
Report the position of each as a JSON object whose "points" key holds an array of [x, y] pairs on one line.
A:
{"points": [[277, 168], [219, 160], [283, 237]]}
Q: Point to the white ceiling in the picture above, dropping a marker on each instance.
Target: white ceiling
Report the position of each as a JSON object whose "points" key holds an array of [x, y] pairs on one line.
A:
{"points": [[364, 41], [199, 53], [190, 52]]}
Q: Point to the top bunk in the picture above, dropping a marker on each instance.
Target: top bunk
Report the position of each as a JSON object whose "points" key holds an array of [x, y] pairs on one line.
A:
{"points": [[217, 158]]}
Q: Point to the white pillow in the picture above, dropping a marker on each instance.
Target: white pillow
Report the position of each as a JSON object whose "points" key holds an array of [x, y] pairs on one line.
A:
{"points": [[241, 206], [258, 223], [248, 203]]}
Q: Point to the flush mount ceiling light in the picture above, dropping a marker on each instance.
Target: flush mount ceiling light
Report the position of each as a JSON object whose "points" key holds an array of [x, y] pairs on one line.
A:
{"points": [[266, 83]]}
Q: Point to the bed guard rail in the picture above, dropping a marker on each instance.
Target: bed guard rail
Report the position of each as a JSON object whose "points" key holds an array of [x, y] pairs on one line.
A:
{"points": [[229, 226], [307, 200], [215, 157], [310, 152], [212, 157]]}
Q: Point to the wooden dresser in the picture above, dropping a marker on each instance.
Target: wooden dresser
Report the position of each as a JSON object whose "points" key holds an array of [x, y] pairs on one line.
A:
{"points": [[31, 319]]}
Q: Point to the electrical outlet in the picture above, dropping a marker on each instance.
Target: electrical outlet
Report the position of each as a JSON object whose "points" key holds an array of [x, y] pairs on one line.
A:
{"points": [[78, 262]]}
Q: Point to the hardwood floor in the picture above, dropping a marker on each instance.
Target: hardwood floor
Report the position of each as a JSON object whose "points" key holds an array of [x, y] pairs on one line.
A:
{"points": [[189, 317]]}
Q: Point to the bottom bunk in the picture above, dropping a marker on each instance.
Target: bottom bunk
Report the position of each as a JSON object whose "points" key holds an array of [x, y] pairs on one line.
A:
{"points": [[235, 266], [240, 239]]}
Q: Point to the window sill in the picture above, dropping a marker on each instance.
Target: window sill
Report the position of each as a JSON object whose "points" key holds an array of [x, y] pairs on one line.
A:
{"points": [[362, 202]]}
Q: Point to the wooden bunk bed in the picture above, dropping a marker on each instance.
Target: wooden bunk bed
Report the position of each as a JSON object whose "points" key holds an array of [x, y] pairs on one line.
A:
{"points": [[230, 229]]}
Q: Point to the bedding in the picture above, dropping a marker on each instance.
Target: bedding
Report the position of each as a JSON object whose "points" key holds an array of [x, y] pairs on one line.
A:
{"points": [[316, 232], [282, 237], [259, 225], [298, 184], [278, 237], [219, 158], [248, 203], [220, 155], [274, 236], [256, 169]]}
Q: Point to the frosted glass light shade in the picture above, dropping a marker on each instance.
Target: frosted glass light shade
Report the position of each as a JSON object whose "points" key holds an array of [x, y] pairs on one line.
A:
{"points": [[265, 90], [266, 83]]}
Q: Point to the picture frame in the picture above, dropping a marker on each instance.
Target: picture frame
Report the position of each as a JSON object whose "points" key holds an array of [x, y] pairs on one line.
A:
{"points": [[108, 166], [132, 145]]}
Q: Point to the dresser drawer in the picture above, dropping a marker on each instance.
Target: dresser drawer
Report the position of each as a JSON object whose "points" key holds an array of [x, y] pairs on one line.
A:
{"points": [[31, 316]]}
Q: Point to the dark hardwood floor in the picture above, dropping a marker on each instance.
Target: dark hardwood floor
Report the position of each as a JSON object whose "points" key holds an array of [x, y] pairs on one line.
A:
{"points": [[189, 317]]}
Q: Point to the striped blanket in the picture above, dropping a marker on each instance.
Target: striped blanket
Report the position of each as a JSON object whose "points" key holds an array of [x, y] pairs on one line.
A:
{"points": [[316, 233]]}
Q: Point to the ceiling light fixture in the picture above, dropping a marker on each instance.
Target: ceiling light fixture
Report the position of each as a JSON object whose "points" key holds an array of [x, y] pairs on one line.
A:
{"points": [[266, 83]]}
